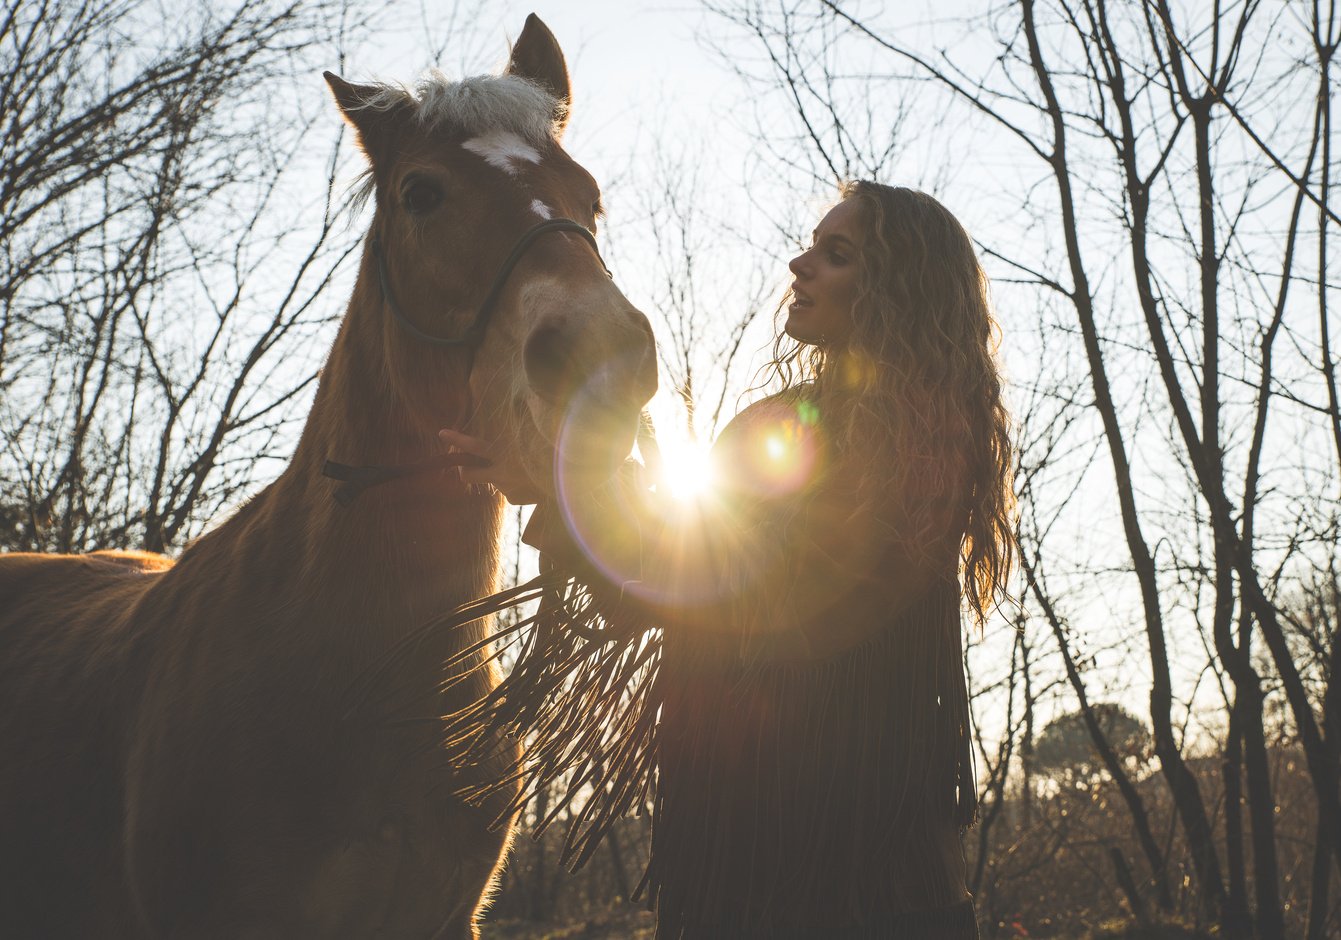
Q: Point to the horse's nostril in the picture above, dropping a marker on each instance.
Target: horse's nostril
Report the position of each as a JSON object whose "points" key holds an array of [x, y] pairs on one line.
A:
{"points": [[551, 367], [561, 366]]}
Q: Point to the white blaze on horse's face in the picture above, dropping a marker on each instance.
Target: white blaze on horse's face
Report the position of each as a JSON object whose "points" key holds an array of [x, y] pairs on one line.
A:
{"points": [[462, 171], [503, 149]]}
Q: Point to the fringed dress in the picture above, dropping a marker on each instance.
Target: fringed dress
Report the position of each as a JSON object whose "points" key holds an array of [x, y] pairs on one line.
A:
{"points": [[799, 720]]}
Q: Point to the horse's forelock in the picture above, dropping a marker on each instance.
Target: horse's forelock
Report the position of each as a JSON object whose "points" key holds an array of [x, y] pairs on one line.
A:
{"points": [[473, 106], [485, 103], [476, 105]]}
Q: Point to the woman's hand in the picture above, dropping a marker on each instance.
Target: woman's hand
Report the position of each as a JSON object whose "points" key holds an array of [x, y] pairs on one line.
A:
{"points": [[514, 484]]}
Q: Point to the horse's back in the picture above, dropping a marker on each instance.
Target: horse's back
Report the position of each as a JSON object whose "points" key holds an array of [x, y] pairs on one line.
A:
{"points": [[67, 618], [67, 674], [42, 588]]}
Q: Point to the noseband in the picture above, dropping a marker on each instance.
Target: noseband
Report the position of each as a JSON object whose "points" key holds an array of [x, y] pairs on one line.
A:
{"points": [[357, 479]]}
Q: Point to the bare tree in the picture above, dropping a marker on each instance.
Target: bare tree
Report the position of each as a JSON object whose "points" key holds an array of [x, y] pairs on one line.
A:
{"points": [[1172, 193], [707, 292], [153, 351]]}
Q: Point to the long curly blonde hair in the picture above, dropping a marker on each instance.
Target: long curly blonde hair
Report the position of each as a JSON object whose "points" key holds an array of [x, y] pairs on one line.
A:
{"points": [[918, 401]]}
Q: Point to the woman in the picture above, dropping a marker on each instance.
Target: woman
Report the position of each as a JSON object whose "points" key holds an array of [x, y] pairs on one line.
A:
{"points": [[812, 752]]}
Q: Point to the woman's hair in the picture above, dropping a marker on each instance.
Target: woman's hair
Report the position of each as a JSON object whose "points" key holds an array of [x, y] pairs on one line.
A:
{"points": [[915, 395]]}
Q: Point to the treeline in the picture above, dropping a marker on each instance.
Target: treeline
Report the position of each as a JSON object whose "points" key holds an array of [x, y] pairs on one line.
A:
{"points": [[1151, 186]]}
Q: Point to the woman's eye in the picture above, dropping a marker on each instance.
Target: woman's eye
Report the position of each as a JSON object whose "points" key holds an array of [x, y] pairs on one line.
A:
{"points": [[421, 196], [835, 258]]}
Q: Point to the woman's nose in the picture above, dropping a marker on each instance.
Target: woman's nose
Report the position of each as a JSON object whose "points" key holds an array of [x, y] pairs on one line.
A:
{"points": [[796, 264]]}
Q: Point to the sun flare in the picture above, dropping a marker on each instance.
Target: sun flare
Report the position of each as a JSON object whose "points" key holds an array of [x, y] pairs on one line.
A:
{"points": [[686, 468]]}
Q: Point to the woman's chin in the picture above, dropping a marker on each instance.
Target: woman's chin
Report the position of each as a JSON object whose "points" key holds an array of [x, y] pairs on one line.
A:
{"points": [[799, 329]]}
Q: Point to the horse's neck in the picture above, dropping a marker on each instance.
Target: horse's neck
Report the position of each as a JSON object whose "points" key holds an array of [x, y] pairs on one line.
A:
{"points": [[402, 552]]}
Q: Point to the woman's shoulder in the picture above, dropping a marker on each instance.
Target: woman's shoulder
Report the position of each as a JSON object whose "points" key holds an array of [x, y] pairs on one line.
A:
{"points": [[789, 405], [773, 448]]}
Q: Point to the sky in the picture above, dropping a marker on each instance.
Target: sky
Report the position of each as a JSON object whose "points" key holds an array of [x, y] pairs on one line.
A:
{"points": [[647, 87], [658, 106], [622, 55], [646, 83]]}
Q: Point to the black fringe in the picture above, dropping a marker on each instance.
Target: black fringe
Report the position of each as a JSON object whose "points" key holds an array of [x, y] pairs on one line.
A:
{"points": [[855, 763], [581, 691]]}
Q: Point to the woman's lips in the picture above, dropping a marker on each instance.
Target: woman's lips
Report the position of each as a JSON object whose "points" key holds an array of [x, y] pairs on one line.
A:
{"points": [[800, 298]]}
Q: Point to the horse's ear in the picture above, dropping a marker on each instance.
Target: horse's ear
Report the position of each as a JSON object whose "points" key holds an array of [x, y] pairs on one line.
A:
{"points": [[536, 55], [366, 109]]}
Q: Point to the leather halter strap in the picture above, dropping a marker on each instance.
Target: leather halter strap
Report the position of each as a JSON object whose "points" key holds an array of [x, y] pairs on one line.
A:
{"points": [[474, 334], [354, 480]]}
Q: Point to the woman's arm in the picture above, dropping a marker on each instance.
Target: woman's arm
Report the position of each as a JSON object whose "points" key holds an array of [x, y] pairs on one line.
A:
{"points": [[819, 569], [799, 575]]}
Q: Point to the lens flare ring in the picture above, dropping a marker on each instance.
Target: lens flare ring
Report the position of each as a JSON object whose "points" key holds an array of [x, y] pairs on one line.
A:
{"points": [[701, 501]]}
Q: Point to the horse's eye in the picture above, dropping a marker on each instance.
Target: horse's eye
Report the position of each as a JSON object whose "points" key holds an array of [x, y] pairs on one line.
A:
{"points": [[421, 196], [597, 209]]}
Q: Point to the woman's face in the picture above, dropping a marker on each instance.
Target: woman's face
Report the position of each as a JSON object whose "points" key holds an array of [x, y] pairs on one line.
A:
{"points": [[826, 279]]}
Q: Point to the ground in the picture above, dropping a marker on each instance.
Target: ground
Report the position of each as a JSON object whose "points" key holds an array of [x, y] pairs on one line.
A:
{"points": [[618, 924], [623, 924]]}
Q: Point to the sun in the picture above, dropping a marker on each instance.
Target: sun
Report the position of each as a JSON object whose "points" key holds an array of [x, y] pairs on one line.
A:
{"points": [[686, 468]]}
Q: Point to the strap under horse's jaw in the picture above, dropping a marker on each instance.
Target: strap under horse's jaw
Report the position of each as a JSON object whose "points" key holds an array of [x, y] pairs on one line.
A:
{"points": [[354, 480]]}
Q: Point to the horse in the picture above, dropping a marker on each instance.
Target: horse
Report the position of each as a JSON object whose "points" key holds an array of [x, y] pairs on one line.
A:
{"points": [[183, 757]]}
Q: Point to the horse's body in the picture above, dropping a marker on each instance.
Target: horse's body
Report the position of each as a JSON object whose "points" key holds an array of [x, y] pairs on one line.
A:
{"points": [[197, 749]]}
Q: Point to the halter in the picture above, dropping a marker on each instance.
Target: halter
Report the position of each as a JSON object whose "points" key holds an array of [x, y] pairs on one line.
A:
{"points": [[357, 479], [474, 334]]}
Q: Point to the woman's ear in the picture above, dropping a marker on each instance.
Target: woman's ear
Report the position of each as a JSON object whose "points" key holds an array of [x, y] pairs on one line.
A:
{"points": [[371, 112], [536, 56]]}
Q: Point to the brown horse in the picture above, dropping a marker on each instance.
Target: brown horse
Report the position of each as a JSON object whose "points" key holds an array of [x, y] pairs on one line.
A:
{"points": [[182, 754]]}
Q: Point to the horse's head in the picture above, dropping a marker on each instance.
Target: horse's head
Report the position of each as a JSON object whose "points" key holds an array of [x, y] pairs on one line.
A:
{"points": [[510, 331]]}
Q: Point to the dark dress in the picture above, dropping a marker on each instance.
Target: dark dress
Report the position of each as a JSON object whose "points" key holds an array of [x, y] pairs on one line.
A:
{"points": [[807, 791], [800, 720]]}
